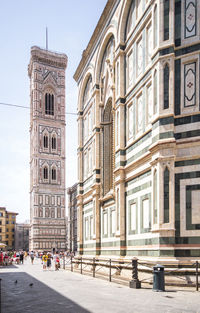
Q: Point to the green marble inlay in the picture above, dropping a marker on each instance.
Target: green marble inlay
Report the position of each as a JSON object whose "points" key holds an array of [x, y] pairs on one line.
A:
{"points": [[137, 155], [138, 178], [187, 162], [111, 244], [178, 177], [189, 225], [139, 188], [188, 134], [165, 135], [163, 121], [187, 119], [139, 142]]}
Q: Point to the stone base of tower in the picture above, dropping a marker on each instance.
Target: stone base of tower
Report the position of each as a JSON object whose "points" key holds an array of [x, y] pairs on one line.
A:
{"points": [[48, 236]]}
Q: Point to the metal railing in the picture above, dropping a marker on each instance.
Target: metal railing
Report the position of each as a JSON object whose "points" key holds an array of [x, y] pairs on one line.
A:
{"points": [[81, 264]]}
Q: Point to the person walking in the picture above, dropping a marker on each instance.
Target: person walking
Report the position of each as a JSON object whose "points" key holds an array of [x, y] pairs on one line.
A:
{"points": [[32, 257], [56, 261], [44, 260], [21, 257], [49, 260]]}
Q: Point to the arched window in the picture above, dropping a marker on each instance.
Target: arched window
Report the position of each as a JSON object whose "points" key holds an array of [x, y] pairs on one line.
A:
{"points": [[53, 213], [107, 58], [107, 148], [53, 174], [155, 197], [166, 195], [45, 141], [45, 172], [87, 91], [130, 23], [166, 86], [155, 96], [49, 104], [53, 143]]}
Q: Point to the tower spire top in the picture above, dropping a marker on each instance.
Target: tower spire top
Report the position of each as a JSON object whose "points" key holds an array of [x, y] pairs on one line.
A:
{"points": [[46, 38]]}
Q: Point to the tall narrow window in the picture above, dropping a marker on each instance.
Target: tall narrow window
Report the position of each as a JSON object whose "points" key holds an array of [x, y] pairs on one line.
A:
{"points": [[45, 172], [155, 92], [53, 143], [155, 197], [166, 20], [155, 31], [107, 148], [49, 104], [53, 174], [166, 195], [166, 86], [45, 141]]}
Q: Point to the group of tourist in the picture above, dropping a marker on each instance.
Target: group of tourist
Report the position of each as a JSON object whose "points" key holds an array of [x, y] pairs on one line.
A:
{"points": [[47, 258]]}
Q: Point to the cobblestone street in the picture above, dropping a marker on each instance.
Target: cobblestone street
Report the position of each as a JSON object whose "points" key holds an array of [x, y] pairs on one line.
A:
{"points": [[63, 291]]}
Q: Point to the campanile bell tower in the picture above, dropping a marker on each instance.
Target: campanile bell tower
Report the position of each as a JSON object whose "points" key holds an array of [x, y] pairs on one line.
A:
{"points": [[47, 149]]}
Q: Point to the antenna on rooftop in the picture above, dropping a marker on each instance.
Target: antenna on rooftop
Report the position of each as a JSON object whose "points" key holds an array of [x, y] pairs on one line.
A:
{"points": [[46, 38]]}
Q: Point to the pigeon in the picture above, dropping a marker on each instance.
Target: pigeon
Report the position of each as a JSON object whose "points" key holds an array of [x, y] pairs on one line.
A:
{"points": [[16, 282], [31, 285]]}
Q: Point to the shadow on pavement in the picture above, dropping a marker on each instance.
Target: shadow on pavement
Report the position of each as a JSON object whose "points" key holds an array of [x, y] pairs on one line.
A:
{"points": [[8, 266], [21, 297]]}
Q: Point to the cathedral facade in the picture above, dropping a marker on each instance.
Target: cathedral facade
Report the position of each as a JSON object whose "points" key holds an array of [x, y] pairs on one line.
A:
{"points": [[138, 127], [47, 150]]}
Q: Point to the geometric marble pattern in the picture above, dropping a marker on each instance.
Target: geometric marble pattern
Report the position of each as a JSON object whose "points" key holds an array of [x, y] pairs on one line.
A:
{"points": [[190, 18]]}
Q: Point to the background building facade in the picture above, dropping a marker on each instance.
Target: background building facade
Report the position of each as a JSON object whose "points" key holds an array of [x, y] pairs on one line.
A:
{"points": [[47, 139], [138, 126], [22, 236], [7, 228], [72, 218]]}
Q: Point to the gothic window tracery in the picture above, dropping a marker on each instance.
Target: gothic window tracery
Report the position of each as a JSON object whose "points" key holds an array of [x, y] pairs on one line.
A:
{"points": [[166, 86], [130, 23], [45, 173], [53, 142], [106, 68], [107, 148], [87, 91], [45, 141], [53, 174], [49, 104]]}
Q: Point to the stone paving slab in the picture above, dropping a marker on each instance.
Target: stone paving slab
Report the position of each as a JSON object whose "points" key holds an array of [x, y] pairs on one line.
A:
{"points": [[62, 291]]}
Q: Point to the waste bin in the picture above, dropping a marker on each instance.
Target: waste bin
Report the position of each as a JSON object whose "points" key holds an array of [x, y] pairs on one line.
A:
{"points": [[158, 278]]}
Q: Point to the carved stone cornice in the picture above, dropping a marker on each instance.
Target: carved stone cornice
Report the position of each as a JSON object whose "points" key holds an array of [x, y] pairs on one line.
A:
{"points": [[47, 57], [102, 21]]}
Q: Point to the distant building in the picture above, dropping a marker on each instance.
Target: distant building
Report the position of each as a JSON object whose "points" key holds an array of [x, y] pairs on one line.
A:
{"points": [[7, 228], [22, 236], [66, 223], [72, 218], [47, 140]]}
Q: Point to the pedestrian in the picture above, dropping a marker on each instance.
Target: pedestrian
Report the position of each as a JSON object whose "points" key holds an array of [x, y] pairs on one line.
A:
{"points": [[21, 257], [56, 261], [6, 259], [48, 260], [32, 257], [1, 258], [44, 260]]}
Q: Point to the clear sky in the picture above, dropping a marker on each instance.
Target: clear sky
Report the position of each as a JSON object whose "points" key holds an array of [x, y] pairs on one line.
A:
{"points": [[22, 25]]}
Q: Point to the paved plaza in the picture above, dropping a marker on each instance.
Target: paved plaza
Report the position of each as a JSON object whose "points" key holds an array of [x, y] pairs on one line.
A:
{"points": [[64, 291]]}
